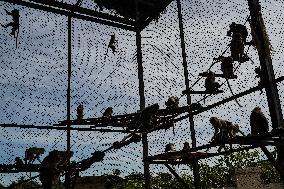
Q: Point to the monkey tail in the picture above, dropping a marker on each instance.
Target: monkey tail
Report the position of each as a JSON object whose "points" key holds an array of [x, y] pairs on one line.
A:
{"points": [[227, 80], [16, 36]]}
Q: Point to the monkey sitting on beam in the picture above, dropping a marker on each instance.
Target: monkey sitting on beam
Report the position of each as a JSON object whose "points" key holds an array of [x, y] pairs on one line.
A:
{"points": [[258, 122]]}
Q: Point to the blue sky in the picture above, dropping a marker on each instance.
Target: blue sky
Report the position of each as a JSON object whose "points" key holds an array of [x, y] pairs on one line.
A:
{"points": [[34, 76]]}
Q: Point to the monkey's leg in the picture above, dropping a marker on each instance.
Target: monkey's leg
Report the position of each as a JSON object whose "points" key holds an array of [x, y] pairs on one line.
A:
{"points": [[15, 27], [112, 48]]}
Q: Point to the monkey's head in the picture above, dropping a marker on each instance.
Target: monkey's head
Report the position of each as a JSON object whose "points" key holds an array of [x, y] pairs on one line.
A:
{"points": [[210, 74], [186, 144], [151, 109], [214, 121], [170, 147], [172, 102], [238, 36], [256, 109]]}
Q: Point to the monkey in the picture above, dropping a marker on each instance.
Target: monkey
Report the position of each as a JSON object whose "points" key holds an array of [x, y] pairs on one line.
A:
{"points": [[238, 28], [15, 23], [112, 42], [170, 148], [51, 167], [211, 85], [259, 74], [19, 162], [48, 171], [108, 113], [237, 47], [227, 68], [195, 106], [224, 130], [33, 153], [80, 112], [258, 122], [172, 102], [148, 116], [186, 146]]}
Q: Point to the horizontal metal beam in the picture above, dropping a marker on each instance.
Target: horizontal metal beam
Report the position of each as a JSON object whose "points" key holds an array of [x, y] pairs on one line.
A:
{"points": [[174, 162], [79, 13], [59, 128]]}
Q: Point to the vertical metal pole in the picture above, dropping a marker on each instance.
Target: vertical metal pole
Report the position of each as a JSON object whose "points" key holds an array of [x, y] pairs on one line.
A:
{"points": [[67, 177], [147, 175], [263, 46], [142, 106], [184, 62]]}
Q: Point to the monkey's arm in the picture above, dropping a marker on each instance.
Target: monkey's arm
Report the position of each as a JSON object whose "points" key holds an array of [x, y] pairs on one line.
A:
{"points": [[216, 131], [7, 12]]}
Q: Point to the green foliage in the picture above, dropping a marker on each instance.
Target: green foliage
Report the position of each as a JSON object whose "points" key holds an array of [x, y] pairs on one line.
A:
{"points": [[222, 173], [161, 181], [219, 175], [269, 173], [22, 184]]}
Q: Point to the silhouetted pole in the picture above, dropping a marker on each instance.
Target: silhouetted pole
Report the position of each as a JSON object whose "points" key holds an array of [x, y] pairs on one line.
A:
{"points": [[261, 39], [147, 175], [142, 106], [69, 71], [195, 165]]}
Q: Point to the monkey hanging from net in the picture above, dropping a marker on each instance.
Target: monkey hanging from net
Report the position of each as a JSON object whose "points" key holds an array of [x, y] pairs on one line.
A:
{"points": [[15, 24]]}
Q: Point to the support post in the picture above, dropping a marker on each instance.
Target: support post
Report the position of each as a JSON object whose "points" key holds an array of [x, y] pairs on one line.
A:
{"points": [[261, 40], [192, 130], [142, 106], [69, 71]]}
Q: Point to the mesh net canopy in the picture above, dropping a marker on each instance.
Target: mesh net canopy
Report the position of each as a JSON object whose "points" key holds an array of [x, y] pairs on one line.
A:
{"points": [[104, 73]]}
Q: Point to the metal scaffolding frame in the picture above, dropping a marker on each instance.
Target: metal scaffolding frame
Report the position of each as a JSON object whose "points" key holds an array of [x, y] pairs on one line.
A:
{"points": [[74, 11]]}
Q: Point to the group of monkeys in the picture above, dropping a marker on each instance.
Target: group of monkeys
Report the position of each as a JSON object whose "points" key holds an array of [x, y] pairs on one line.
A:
{"points": [[225, 130], [51, 166], [239, 34], [80, 112]]}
